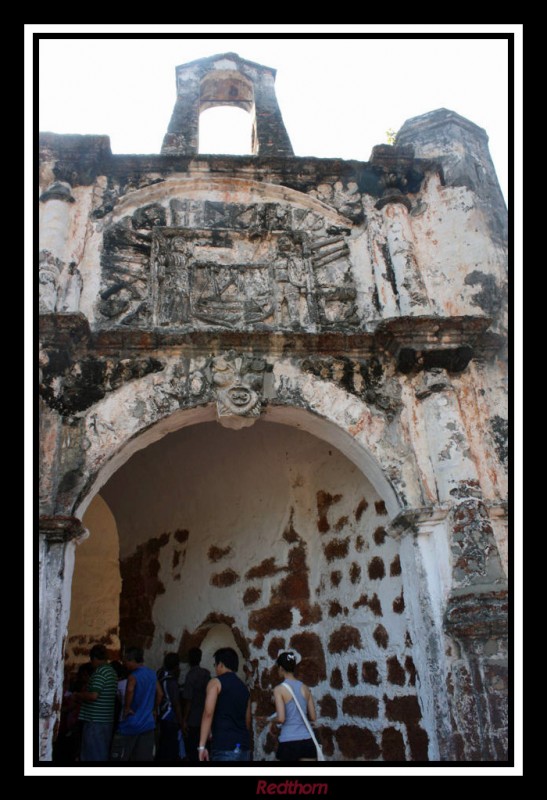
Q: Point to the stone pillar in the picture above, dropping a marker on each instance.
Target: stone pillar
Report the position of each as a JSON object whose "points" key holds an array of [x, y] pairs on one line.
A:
{"points": [[426, 566], [272, 138], [55, 220], [60, 283], [384, 277], [409, 285], [474, 600], [182, 137], [57, 539]]}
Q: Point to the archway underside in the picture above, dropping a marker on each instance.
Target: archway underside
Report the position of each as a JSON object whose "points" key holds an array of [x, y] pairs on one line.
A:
{"points": [[277, 534]]}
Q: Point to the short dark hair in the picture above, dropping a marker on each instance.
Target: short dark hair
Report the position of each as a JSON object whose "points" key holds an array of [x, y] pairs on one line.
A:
{"points": [[194, 656], [134, 654], [119, 669], [287, 661], [228, 657], [98, 651], [171, 661]]}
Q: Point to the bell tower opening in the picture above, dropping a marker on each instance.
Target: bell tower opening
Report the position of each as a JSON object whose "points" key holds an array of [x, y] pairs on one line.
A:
{"points": [[226, 80], [225, 130]]}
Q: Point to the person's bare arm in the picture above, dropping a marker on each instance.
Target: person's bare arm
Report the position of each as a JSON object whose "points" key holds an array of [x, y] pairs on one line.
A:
{"points": [[129, 693], [311, 708], [213, 690], [279, 705]]}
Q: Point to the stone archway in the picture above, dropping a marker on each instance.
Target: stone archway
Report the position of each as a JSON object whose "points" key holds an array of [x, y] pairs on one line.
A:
{"points": [[276, 533], [96, 586]]}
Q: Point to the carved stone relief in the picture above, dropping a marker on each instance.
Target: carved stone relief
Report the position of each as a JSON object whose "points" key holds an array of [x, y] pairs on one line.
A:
{"points": [[49, 272], [234, 280], [231, 266], [60, 285], [238, 382]]}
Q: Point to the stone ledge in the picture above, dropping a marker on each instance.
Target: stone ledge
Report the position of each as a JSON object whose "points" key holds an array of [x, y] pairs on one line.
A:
{"points": [[81, 158], [60, 528], [417, 343], [429, 342]]}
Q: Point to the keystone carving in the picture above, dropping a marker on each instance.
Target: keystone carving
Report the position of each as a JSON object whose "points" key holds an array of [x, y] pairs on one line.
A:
{"points": [[238, 382]]}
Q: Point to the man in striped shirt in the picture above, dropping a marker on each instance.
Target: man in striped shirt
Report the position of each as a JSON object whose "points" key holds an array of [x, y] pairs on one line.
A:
{"points": [[97, 710]]}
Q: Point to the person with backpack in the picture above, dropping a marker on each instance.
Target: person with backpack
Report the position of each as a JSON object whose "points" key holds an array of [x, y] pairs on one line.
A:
{"points": [[170, 716]]}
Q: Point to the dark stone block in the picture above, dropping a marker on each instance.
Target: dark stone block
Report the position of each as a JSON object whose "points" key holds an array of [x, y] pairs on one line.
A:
{"points": [[370, 673], [353, 680], [215, 554], [325, 737], [312, 669], [251, 595], [380, 636], [275, 617], [334, 608], [265, 569], [395, 567], [224, 579], [361, 508], [344, 638], [335, 578], [411, 669], [356, 742], [328, 707], [418, 741], [360, 706], [399, 604], [403, 709], [276, 646], [379, 536], [395, 672], [376, 569], [336, 681], [393, 746], [337, 548], [324, 502]]}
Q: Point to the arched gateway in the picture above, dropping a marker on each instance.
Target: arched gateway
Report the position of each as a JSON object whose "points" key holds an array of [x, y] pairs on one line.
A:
{"points": [[276, 384]]}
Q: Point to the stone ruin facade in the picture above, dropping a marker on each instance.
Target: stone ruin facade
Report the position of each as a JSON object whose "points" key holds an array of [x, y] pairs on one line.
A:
{"points": [[345, 323]]}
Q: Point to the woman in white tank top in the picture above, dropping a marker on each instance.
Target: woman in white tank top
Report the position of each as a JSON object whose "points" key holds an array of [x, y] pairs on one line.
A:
{"points": [[295, 742]]}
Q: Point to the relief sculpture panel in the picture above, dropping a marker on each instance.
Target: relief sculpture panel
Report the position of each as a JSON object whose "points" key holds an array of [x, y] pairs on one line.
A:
{"points": [[230, 266], [235, 280]]}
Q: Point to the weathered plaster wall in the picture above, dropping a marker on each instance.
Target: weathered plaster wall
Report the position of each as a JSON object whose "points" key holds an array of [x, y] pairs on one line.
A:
{"points": [[96, 586], [464, 269], [277, 534], [458, 274]]}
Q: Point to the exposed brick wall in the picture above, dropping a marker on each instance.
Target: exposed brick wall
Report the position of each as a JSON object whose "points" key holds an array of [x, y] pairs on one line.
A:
{"points": [[332, 593]]}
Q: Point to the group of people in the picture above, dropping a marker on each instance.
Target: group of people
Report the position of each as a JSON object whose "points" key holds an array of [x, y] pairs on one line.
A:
{"points": [[127, 712]]}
